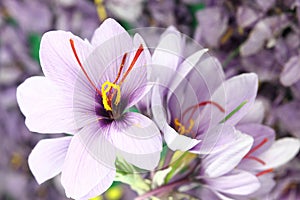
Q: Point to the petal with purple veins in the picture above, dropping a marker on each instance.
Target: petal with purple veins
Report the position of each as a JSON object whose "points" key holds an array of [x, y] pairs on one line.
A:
{"points": [[44, 106], [90, 158], [47, 158]]}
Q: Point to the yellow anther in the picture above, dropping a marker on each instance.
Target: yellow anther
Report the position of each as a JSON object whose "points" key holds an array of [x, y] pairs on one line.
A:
{"points": [[105, 88], [181, 128]]}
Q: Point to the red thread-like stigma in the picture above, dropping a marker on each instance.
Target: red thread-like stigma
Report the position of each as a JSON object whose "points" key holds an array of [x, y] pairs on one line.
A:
{"points": [[201, 104], [264, 172], [248, 155], [82, 68], [135, 58], [264, 141]]}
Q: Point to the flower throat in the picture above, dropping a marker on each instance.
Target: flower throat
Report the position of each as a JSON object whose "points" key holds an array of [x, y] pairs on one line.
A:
{"points": [[110, 90]]}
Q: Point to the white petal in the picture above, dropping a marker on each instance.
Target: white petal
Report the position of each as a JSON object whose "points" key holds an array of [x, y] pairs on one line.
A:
{"points": [[175, 141], [45, 107], [47, 158]]}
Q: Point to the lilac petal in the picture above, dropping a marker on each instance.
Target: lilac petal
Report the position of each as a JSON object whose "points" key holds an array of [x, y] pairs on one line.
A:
{"points": [[256, 113], [207, 193], [266, 4], [246, 16], [44, 106], [102, 186], [47, 158], [166, 56], [139, 94], [236, 182], [217, 164], [260, 33], [217, 139], [259, 133], [230, 95], [291, 117], [281, 152], [199, 85], [185, 67], [267, 184], [108, 30], [58, 60], [291, 71], [90, 159], [139, 134], [213, 24], [136, 80]]}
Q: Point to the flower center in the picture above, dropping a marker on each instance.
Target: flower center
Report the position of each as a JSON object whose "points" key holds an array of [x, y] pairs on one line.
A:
{"points": [[110, 89], [107, 86], [192, 109]]}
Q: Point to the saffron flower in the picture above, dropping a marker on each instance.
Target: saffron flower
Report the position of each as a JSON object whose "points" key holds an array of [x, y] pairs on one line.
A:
{"points": [[87, 91], [192, 99]]}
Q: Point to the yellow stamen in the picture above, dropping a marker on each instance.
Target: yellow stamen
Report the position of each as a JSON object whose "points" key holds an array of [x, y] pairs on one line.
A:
{"points": [[181, 128], [105, 88], [100, 10]]}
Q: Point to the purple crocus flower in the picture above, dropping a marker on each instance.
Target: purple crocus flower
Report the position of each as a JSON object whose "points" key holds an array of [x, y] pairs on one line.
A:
{"points": [[191, 98], [87, 91]]}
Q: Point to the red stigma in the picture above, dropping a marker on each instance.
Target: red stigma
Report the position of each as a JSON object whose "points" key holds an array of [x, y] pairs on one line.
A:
{"points": [[264, 141], [135, 58], [248, 155], [121, 68], [256, 159], [201, 104], [264, 172], [82, 68]]}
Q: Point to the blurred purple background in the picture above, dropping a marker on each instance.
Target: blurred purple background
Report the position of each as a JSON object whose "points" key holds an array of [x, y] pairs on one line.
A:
{"points": [[261, 36]]}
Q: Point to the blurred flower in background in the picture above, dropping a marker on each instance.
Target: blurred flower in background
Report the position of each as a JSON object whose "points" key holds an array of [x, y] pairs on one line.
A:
{"points": [[261, 36]]}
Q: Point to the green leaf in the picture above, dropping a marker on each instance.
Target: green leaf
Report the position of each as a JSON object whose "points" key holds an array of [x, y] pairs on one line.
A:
{"points": [[34, 41], [233, 112], [194, 8], [179, 161], [135, 181]]}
